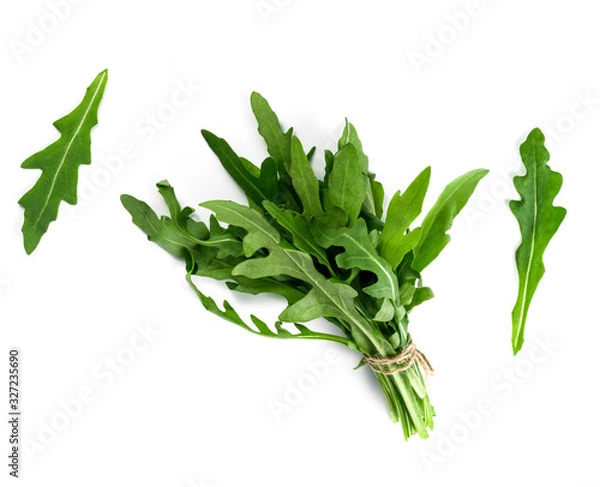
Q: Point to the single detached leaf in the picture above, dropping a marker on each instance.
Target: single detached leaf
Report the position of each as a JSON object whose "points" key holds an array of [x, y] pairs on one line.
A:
{"points": [[59, 163], [439, 219], [395, 243], [538, 220]]}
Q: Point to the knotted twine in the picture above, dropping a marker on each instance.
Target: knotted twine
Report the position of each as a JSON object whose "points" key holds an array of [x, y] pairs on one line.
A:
{"points": [[400, 362]]}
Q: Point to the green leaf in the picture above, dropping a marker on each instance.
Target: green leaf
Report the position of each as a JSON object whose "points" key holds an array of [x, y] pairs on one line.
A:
{"points": [[257, 188], [312, 306], [268, 177], [420, 295], [305, 182], [180, 217], [387, 313], [260, 233], [260, 327], [407, 292], [329, 158], [439, 219], [189, 230], [538, 221], [374, 201], [350, 136], [346, 185], [395, 243], [181, 236], [168, 193], [378, 196], [278, 146], [359, 253], [225, 243], [146, 220], [59, 163], [278, 142], [285, 289], [298, 228]]}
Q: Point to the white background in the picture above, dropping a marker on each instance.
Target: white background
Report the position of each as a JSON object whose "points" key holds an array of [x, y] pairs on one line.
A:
{"points": [[195, 406]]}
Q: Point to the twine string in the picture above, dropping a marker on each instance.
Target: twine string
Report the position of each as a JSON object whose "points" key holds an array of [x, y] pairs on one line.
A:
{"points": [[400, 362]]}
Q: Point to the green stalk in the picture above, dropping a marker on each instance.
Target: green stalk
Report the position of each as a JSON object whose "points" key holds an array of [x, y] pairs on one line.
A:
{"points": [[408, 401]]}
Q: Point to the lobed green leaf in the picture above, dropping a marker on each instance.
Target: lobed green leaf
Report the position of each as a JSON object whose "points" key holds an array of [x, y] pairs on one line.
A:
{"points": [[439, 219], [346, 188], [403, 209], [278, 142], [59, 163], [538, 221]]}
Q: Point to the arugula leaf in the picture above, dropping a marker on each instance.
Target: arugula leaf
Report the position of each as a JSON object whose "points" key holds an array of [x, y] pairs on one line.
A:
{"points": [[346, 187], [257, 188], [260, 327], [305, 182], [60, 163], [279, 148], [284, 289], [439, 219], [359, 253], [260, 233], [378, 195], [395, 243], [301, 236], [180, 221], [278, 142], [146, 219], [421, 295], [350, 137], [373, 200], [180, 235], [225, 243], [538, 221]]}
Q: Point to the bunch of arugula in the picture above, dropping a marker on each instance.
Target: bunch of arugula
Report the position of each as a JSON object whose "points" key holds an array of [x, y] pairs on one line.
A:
{"points": [[322, 245]]}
